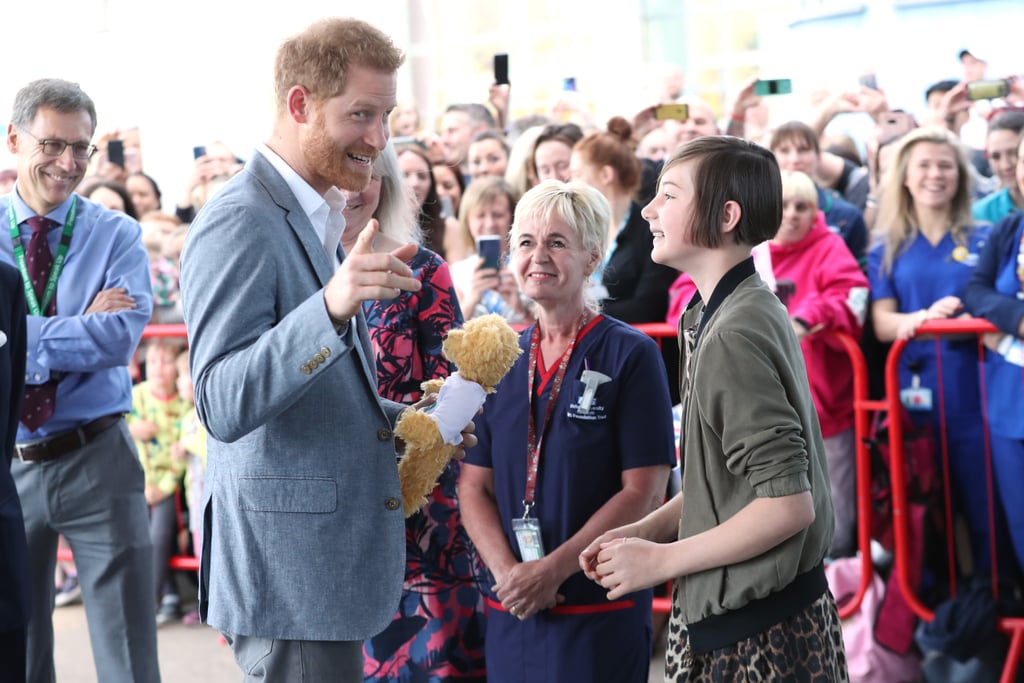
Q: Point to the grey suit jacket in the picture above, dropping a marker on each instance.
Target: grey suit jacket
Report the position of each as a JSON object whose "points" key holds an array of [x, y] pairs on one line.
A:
{"points": [[304, 532]]}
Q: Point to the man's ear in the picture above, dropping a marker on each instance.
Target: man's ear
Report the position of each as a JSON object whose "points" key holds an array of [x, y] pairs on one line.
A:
{"points": [[300, 104], [731, 214], [12, 139]]}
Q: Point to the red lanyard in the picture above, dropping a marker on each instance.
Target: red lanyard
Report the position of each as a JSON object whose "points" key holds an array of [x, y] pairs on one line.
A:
{"points": [[535, 437]]}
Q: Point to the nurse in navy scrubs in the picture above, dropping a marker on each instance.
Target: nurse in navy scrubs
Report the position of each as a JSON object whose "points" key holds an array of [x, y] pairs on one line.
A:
{"points": [[577, 440]]}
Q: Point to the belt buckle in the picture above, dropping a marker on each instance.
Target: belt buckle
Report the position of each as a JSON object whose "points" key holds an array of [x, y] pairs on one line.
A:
{"points": [[83, 438]]}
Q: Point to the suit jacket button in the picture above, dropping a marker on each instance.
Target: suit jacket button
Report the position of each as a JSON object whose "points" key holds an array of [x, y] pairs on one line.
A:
{"points": [[306, 369], [391, 503], [325, 352], [319, 358], [384, 435], [313, 364]]}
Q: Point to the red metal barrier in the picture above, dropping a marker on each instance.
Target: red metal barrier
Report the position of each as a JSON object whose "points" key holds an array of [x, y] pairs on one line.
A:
{"points": [[657, 331], [1014, 627], [173, 330], [863, 408]]}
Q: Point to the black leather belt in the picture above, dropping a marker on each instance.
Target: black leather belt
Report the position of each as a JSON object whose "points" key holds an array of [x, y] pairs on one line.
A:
{"points": [[63, 443]]}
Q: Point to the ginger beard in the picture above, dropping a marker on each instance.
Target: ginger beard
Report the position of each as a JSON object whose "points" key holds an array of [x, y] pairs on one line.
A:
{"points": [[333, 165]]}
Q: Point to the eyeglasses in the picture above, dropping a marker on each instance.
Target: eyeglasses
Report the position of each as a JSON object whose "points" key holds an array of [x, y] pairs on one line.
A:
{"points": [[55, 147]]}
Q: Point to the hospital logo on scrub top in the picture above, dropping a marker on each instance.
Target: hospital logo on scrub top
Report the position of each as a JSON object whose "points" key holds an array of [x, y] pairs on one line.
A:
{"points": [[962, 255], [586, 406]]}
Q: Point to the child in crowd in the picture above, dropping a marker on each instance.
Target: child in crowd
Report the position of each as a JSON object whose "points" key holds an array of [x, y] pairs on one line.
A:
{"points": [[162, 235], [190, 449], [154, 422], [754, 520]]}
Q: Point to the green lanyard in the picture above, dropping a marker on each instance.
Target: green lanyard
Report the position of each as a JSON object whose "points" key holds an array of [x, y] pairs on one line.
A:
{"points": [[58, 261]]}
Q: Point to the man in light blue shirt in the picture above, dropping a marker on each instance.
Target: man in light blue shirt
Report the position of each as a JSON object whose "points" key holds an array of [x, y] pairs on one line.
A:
{"points": [[75, 466]]}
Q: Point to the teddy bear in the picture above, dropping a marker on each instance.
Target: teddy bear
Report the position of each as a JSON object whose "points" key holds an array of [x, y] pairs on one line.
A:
{"points": [[483, 352]]}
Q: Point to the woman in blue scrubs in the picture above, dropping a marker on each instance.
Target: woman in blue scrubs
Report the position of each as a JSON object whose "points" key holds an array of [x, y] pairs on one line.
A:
{"points": [[928, 246]]}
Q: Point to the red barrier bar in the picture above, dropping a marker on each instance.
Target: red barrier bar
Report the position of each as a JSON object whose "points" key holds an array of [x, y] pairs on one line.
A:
{"points": [[164, 330], [862, 412], [1014, 627], [657, 331], [862, 409], [897, 464]]}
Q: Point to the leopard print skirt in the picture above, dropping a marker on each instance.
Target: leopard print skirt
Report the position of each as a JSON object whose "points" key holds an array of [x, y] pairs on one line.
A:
{"points": [[805, 647]]}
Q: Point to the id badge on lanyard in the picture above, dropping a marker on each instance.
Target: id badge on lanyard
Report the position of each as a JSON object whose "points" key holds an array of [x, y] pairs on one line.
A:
{"points": [[527, 531], [916, 397]]}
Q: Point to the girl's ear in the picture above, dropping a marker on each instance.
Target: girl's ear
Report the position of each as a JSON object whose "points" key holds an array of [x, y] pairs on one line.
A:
{"points": [[731, 216]]}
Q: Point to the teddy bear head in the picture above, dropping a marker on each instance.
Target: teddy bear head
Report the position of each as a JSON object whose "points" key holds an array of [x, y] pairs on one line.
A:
{"points": [[484, 350]]}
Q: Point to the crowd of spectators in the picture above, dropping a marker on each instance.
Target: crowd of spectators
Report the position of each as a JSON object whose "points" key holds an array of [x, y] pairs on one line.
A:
{"points": [[920, 227]]}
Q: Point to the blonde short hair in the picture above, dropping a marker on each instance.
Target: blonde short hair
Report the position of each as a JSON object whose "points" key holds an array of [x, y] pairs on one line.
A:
{"points": [[578, 205], [799, 185]]}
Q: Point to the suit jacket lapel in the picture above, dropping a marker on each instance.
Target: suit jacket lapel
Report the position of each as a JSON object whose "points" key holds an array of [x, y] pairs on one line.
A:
{"points": [[297, 219]]}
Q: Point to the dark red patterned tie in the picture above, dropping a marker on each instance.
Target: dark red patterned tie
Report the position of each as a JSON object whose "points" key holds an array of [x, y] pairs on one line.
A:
{"points": [[40, 399]]}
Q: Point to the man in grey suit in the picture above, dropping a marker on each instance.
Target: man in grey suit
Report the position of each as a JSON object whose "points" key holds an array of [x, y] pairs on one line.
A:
{"points": [[303, 550]]}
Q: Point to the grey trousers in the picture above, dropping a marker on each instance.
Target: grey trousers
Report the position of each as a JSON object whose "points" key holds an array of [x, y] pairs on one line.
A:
{"points": [[263, 660], [95, 497], [163, 526], [841, 453]]}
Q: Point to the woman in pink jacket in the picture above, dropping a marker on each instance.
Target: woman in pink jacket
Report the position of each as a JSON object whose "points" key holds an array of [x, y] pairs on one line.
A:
{"points": [[823, 289]]}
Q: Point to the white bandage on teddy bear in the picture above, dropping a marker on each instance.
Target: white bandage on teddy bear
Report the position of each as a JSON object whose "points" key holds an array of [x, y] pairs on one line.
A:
{"points": [[457, 403]]}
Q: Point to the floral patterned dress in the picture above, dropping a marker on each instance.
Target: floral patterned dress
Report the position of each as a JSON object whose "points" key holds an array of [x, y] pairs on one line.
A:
{"points": [[437, 633]]}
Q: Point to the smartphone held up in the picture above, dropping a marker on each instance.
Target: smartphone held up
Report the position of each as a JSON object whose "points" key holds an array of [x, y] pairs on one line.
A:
{"points": [[488, 247], [115, 152], [774, 86], [501, 68], [988, 90], [868, 80], [893, 124], [678, 112]]}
